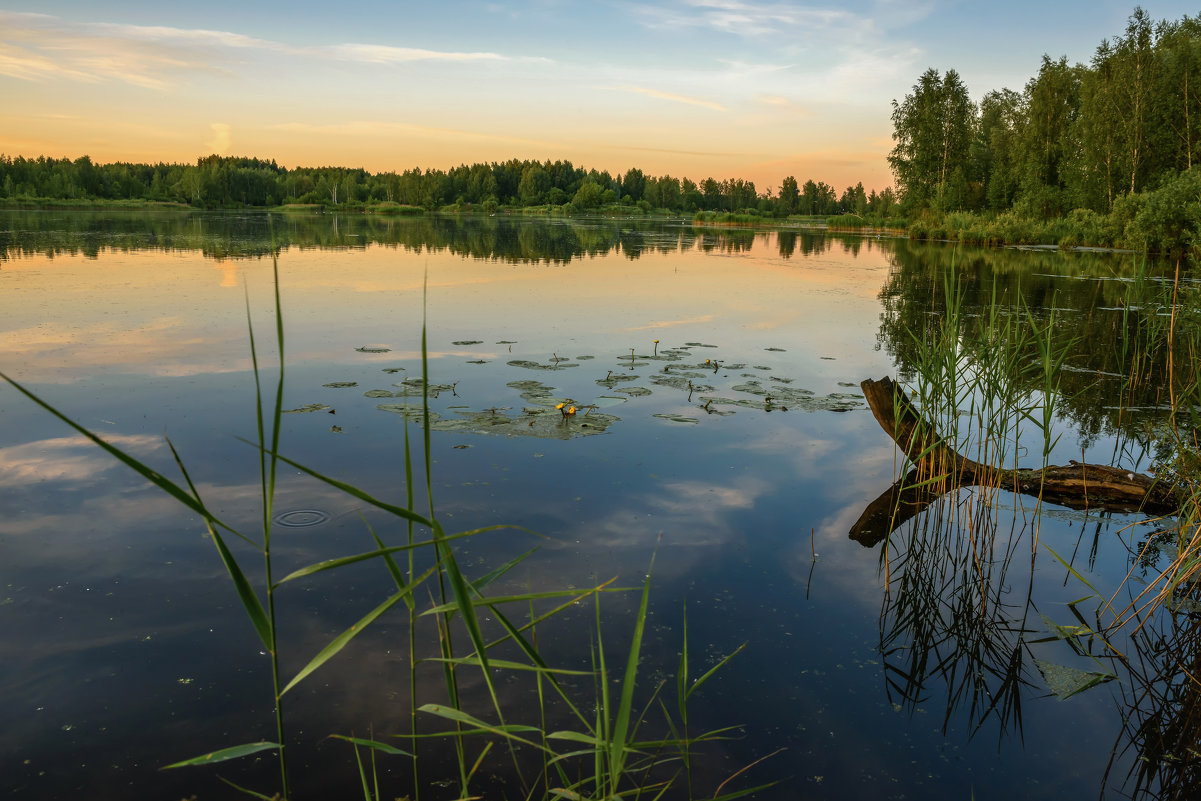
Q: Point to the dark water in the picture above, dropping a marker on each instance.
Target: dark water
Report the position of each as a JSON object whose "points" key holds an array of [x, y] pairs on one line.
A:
{"points": [[124, 646]]}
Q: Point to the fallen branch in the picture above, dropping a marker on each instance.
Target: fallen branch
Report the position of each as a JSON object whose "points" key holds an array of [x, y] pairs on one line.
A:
{"points": [[1076, 485]]}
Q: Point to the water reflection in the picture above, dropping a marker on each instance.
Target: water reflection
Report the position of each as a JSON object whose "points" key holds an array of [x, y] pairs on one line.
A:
{"points": [[129, 325], [1114, 307], [503, 238]]}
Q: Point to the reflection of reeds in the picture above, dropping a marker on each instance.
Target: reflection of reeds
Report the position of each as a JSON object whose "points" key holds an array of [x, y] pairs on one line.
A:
{"points": [[947, 617], [1162, 726], [947, 613]]}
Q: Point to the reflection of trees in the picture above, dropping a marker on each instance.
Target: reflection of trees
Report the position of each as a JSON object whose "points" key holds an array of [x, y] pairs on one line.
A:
{"points": [[506, 238], [1112, 307]]}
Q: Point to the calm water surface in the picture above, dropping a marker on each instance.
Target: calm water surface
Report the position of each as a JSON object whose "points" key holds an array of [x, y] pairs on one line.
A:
{"points": [[124, 647]]}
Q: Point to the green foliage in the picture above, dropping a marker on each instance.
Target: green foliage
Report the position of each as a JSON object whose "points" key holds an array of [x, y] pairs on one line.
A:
{"points": [[1077, 137], [1170, 217]]}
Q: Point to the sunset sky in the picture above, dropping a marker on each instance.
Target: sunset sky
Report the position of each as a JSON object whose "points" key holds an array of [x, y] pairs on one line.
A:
{"points": [[692, 88]]}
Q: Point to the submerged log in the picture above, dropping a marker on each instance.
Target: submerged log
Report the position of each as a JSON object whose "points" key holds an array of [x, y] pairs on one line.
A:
{"points": [[1076, 485]]}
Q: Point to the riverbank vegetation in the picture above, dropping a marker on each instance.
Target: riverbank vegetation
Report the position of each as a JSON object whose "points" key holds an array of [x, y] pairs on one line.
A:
{"points": [[1098, 154]]}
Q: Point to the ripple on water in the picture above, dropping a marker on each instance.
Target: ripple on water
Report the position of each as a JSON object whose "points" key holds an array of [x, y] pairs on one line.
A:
{"points": [[301, 518]]}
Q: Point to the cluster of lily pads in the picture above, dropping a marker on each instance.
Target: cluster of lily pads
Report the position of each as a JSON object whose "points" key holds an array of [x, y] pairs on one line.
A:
{"points": [[705, 387]]}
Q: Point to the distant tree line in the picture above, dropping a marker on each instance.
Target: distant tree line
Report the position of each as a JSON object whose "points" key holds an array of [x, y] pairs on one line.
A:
{"points": [[1077, 136], [221, 181]]}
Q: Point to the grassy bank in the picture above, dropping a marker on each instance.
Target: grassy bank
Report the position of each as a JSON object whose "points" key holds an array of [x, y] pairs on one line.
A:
{"points": [[1162, 220]]}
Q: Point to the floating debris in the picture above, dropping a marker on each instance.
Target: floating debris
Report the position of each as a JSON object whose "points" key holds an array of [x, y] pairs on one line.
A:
{"points": [[341, 384], [374, 349], [308, 407], [335, 429], [461, 447]]}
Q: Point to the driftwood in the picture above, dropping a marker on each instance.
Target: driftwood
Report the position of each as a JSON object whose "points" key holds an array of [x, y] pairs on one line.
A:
{"points": [[1076, 485]]}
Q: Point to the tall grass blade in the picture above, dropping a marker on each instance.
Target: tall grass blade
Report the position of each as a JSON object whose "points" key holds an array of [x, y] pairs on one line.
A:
{"points": [[221, 755], [342, 640], [151, 475], [354, 491]]}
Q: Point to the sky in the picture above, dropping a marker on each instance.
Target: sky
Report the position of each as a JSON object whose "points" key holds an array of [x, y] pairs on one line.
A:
{"points": [[752, 89]]}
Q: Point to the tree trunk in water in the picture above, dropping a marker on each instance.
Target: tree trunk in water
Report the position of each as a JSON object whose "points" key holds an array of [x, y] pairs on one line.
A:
{"points": [[1076, 485]]}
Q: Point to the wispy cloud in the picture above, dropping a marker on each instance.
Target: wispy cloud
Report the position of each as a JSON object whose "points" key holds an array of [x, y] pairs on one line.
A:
{"points": [[43, 47], [385, 54], [747, 19], [671, 323], [65, 458], [385, 128], [779, 103], [222, 139], [692, 101]]}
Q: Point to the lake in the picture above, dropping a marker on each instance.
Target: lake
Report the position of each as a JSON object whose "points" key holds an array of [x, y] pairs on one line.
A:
{"points": [[720, 434]]}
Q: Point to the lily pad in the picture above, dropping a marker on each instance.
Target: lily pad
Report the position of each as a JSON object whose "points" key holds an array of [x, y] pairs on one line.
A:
{"points": [[676, 418], [539, 366], [308, 407], [506, 342], [610, 380], [635, 392], [393, 369], [341, 384], [538, 422], [478, 361], [776, 350], [682, 382], [605, 401], [462, 342], [379, 393], [1065, 682], [374, 349], [698, 345], [534, 392]]}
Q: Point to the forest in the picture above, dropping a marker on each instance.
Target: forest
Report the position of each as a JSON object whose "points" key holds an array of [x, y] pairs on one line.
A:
{"points": [[1085, 154], [224, 182], [1098, 153]]}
